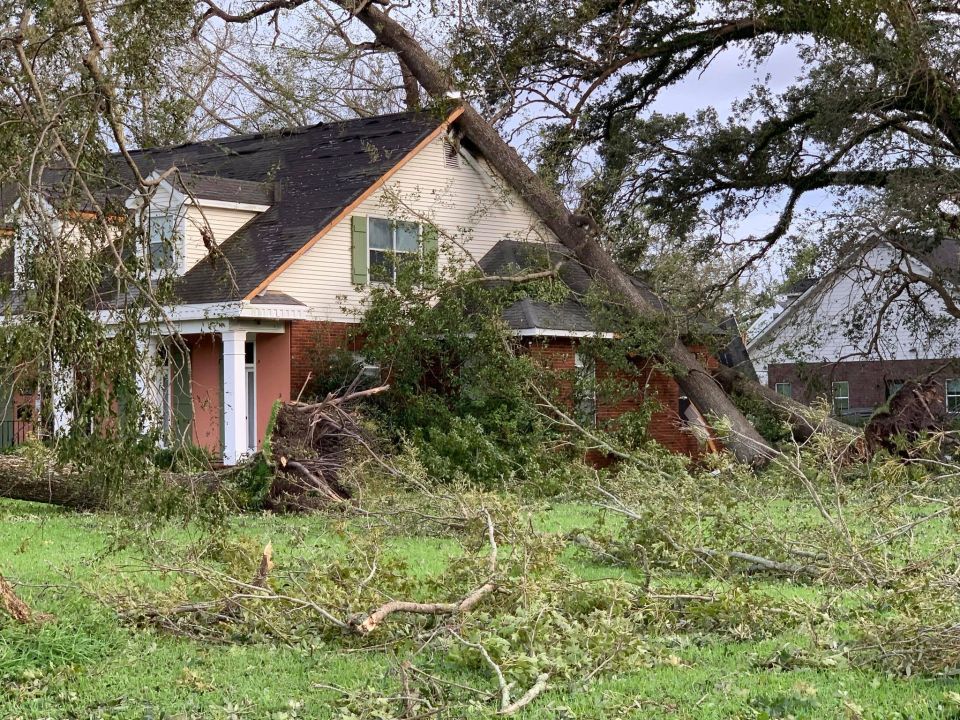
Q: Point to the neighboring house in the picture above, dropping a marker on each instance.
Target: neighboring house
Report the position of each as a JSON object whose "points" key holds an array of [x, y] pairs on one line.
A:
{"points": [[856, 335], [306, 220]]}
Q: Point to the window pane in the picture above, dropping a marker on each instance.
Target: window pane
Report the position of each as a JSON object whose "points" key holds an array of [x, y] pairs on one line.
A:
{"points": [[785, 389], [381, 266], [953, 395], [408, 237], [379, 234], [249, 354], [162, 233], [841, 389]]}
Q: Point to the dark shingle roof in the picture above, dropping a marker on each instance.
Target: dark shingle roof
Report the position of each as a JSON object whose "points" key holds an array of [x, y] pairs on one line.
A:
{"points": [[274, 297], [316, 171], [307, 175], [508, 257]]}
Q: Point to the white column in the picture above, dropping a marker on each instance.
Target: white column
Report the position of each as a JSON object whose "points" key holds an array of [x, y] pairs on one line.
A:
{"points": [[148, 383], [234, 396], [61, 384]]}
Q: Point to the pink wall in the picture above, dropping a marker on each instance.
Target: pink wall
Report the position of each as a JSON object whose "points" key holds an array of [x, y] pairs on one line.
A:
{"points": [[273, 375], [205, 371]]}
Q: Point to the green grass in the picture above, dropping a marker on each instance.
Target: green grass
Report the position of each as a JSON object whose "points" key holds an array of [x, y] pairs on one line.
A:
{"points": [[88, 664]]}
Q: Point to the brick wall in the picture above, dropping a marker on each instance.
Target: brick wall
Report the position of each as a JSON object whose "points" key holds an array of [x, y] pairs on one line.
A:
{"points": [[307, 338], [868, 379], [665, 425]]}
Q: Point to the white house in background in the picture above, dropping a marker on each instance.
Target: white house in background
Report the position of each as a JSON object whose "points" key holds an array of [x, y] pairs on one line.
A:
{"points": [[857, 334]]}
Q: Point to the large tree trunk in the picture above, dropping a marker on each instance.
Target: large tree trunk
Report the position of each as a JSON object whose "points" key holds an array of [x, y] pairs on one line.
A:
{"points": [[58, 486], [19, 481], [578, 233]]}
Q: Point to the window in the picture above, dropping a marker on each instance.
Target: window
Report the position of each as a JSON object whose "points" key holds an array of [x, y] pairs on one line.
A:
{"points": [[953, 395], [893, 387], [585, 389], [391, 243], [163, 236], [785, 389], [841, 397]]}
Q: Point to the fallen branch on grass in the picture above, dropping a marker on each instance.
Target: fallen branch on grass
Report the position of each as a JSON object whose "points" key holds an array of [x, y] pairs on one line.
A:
{"points": [[17, 608], [366, 624], [507, 706], [757, 564], [229, 608]]}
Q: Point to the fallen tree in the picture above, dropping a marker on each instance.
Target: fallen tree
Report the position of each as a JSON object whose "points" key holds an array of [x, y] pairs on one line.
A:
{"points": [[308, 445], [803, 420]]}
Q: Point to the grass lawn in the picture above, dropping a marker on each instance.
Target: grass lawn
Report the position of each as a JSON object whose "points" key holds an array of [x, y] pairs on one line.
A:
{"points": [[89, 664]]}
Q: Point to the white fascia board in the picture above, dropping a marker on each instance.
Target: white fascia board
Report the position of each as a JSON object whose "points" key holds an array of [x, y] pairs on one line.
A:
{"points": [[226, 205], [224, 311], [546, 332]]}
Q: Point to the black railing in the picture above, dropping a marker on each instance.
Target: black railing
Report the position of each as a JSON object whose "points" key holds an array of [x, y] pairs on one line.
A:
{"points": [[14, 432]]}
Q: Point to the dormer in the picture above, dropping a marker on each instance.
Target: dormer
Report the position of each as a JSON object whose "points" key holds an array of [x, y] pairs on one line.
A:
{"points": [[188, 212]]}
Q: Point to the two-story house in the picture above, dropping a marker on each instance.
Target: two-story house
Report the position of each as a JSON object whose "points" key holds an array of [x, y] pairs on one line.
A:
{"points": [[855, 335], [305, 220]]}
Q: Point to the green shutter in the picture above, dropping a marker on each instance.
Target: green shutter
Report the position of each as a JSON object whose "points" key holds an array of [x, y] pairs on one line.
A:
{"points": [[430, 245], [181, 395], [358, 227]]}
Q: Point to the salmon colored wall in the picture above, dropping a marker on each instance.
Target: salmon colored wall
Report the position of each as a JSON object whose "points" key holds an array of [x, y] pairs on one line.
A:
{"points": [[205, 374], [273, 375]]}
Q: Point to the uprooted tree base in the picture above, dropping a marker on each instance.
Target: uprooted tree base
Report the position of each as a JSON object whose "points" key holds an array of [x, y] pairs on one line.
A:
{"points": [[310, 445]]}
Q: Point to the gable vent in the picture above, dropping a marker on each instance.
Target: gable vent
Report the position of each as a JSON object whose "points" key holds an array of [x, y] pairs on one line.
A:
{"points": [[451, 158]]}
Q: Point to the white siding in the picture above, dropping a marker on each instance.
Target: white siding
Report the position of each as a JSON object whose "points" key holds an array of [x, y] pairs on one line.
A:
{"points": [[222, 224], [470, 208], [838, 321]]}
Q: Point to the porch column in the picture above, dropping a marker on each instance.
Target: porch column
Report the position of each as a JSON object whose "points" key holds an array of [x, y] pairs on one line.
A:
{"points": [[234, 395], [61, 385], [148, 384]]}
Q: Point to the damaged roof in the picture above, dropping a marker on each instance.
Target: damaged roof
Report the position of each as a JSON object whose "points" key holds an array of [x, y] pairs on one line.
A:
{"points": [[570, 315]]}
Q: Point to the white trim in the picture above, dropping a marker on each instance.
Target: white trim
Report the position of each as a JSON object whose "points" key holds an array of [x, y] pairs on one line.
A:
{"points": [[218, 311], [546, 332], [251, 369], [226, 205]]}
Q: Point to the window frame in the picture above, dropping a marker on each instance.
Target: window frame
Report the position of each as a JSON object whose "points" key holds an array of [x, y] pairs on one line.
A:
{"points": [[172, 246], [834, 397], [393, 252], [947, 395], [892, 387], [585, 379], [788, 393]]}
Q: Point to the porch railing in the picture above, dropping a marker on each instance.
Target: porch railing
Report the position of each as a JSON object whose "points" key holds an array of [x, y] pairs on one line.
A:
{"points": [[14, 432]]}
